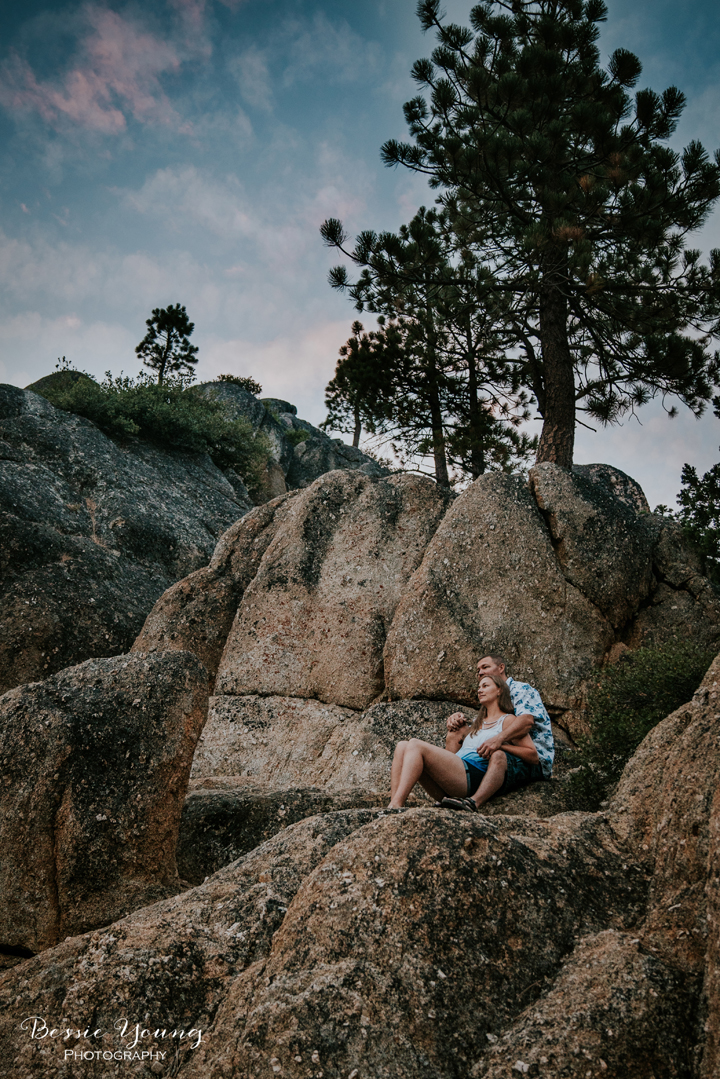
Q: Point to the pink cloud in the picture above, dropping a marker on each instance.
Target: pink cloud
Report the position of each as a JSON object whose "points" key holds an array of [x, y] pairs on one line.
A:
{"points": [[117, 75]]}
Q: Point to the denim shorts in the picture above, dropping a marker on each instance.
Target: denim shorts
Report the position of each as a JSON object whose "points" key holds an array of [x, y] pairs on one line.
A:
{"points": [[518, 773], [475, 769]]}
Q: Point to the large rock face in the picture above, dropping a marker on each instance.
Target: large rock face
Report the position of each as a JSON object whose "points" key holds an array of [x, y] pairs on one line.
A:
{"points": [[348, 942], [314, 620], [490, 582], [92, 534], [95, 765], [286, 742], [361, 587]]}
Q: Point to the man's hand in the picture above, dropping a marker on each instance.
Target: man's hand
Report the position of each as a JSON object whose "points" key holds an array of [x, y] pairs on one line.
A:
{"points": [[456, 722], [491, 745]]}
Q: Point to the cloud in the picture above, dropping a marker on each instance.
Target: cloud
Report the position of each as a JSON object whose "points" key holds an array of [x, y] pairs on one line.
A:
{"points": [[293, 367], [279, 232], [250, 69], [116, 76], [333, 49]]}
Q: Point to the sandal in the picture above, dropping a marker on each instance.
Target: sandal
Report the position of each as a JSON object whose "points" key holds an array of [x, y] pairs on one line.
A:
{"points": [[466, 804]]}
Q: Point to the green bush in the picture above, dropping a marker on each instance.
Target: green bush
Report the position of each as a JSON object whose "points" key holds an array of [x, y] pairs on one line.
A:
{"points": [[296, 435], [626, 702], [173, 416], [243, 381]]}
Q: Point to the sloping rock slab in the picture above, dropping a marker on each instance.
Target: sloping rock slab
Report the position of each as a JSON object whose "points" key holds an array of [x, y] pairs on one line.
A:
{"points": [[167, 966], [196, 614], [95, 765], [314, 620], [91, 533], [614, 1011], [406, 917], [219, 826], [490, 581], [286, 742]]}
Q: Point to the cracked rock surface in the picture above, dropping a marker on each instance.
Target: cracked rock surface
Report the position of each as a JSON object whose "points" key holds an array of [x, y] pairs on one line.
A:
{"points": [[425, 944], [361, 588], [93, 533], [94, 764]]}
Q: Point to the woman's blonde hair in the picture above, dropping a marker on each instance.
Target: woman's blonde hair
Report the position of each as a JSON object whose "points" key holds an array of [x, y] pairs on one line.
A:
{"points": [[504, 701]]}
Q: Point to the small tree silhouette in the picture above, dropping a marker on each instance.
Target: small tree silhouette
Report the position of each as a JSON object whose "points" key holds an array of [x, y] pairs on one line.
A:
{"points": [[166, 347]]}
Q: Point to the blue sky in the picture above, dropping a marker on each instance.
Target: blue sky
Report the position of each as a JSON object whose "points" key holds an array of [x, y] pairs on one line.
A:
{"points": [[188, 150]]}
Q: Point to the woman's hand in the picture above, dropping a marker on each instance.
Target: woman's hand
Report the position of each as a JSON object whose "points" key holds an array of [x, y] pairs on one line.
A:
{"points": [[456, 722]]}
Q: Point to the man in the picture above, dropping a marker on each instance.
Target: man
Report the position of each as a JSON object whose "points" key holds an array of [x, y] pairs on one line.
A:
{"points": [[505, 772]]}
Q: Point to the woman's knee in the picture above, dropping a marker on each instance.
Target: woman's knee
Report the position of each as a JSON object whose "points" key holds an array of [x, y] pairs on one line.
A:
{"points": [[498, 761], [401, 747]]}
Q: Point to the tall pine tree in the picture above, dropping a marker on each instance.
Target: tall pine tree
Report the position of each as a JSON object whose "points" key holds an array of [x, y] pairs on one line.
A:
{"points": [[455, 390], [564, 185]]}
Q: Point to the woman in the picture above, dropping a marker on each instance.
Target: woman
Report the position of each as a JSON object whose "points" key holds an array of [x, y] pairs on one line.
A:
{"points": [[458, 769]]}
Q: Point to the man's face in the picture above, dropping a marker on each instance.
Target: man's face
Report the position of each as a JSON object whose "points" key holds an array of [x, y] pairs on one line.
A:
{"points": [[489, 666]]}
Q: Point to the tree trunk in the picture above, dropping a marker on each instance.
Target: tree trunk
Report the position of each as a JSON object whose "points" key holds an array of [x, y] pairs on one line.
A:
{"points": [[477, 457], [358, 428], [438, 437], [164, 360], [558, 433], [436, 425]]}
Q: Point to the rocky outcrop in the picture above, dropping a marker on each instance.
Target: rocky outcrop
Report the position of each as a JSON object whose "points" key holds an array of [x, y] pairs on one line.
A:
{"points": [[314, 619], [490, 581], [373, 587], [349, 942], [95, 765], [299, 452], [92, 534], [92, 531], [286, 742]]}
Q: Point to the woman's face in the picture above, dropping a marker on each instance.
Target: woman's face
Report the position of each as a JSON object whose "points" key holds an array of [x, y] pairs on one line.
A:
{"points": [[487, 691]]}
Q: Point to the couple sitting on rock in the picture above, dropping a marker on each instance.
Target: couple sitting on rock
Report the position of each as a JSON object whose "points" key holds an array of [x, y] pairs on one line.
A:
{"points": [[509, 745]]}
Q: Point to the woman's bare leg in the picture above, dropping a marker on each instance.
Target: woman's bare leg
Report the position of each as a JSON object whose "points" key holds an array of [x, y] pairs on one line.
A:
{"points": [[492, 781], [437, 765], [397, 767], [431, 787]]}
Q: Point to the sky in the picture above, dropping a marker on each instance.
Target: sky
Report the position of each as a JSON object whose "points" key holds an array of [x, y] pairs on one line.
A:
{"points": [[187, 151]]}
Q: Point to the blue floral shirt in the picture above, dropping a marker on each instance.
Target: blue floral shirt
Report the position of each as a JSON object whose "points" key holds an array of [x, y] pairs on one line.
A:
{"points": [[526, 699]]}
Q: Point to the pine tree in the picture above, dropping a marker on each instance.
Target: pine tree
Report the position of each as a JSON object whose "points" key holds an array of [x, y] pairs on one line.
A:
{"points": [[565, 188], [166, 347], [699, 514], [363, 380], [455, 390]]}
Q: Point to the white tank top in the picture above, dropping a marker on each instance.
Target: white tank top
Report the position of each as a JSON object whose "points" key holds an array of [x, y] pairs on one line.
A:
{"points": [[472, 741]]}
